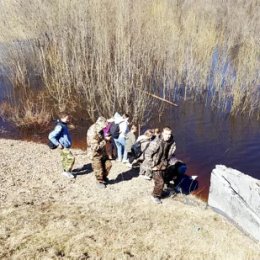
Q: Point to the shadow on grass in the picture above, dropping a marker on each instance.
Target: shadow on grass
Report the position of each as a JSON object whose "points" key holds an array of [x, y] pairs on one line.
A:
{"points": [[126, 176], [85, 169]]}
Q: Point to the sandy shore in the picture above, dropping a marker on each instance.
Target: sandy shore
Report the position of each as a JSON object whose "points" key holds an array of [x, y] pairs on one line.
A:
{"points": [[43, 215]]}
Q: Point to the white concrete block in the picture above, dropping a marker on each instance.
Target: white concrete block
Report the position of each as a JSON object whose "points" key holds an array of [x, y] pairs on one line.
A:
{"points": [[237, 195]]}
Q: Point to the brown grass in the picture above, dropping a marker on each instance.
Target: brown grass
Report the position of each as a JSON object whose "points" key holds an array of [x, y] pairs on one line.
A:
{"points": [[29, 114], [103, 55], [44, 216]]}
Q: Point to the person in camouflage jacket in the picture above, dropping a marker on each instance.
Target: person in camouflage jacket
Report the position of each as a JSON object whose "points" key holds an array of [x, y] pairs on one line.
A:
{"points": [[157, 157], [96, 151]]}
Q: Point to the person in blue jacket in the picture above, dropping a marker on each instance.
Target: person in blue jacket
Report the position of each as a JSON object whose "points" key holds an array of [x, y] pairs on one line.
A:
{"points": [[61, 138]]}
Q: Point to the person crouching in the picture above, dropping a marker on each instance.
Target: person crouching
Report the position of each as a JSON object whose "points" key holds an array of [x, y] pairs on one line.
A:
{"points": [[61, 138]]}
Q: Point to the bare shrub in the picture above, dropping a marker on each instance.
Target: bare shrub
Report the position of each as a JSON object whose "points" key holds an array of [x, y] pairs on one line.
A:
{"points": [[31, 113], [6, 110], [105, 56]]}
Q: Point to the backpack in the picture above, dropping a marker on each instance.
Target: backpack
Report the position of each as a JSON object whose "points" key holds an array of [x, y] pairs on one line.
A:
{"points": [[114, 130], [50, 143], [136, 149]]}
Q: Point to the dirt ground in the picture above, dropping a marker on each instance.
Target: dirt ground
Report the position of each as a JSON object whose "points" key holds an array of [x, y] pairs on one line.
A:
{"points": [[44, 215]]}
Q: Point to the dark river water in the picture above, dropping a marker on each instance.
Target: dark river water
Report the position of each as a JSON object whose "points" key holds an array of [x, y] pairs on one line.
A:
{"points": [[204, 138]]}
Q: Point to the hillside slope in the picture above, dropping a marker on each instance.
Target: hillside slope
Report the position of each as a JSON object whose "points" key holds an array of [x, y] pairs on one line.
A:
{"points": [[43, 215]]}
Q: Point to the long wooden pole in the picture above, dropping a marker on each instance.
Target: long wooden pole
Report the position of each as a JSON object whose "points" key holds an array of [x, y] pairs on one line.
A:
{"points": [[162, 99]]}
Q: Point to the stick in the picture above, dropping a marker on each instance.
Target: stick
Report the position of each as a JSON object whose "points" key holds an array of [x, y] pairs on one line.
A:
{"points": [[165, 100]]}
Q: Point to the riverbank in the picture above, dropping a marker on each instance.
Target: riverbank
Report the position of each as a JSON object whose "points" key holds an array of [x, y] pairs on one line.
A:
{"points": [[46, 216]]}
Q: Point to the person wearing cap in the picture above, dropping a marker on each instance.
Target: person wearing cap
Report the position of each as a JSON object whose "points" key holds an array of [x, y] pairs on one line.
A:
{"points": [[157, 157], [96, 143]]}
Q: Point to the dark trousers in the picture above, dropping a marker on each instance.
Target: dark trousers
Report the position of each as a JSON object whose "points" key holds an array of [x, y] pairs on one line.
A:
{"points": [[113, 148], [101, 168], [158, 177]]}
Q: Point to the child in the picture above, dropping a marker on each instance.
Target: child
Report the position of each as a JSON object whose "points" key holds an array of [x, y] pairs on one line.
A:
{"points": [[110, 146], [157, 132], [96, 142], [130, 140], [145, 140], [122, 122], [61, 138]]}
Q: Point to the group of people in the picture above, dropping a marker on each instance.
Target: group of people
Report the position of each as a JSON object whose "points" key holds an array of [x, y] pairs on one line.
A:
{"points": [[113, 138]]}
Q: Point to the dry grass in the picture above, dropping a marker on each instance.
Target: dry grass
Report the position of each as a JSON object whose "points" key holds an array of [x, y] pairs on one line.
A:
{"points": [[28, 114], [105, 54], [44, 216]]}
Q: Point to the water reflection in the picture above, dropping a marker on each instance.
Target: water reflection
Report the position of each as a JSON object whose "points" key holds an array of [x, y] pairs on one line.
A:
{"points": [[204, 138]]}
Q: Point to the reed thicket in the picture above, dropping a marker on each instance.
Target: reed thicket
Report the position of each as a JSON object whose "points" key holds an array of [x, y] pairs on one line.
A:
{"points": [[104, 56]]}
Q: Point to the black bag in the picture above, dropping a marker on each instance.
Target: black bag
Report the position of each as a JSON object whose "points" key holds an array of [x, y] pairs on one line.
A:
{"points": [[136, 150], [114, 130]]}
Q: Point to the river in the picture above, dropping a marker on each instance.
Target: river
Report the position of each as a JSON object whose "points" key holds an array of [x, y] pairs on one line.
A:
{"points": [[204, 138]]}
